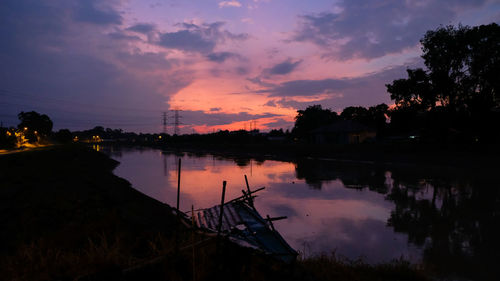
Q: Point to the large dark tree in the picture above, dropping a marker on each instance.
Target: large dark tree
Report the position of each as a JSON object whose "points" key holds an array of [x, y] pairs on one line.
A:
{"points": [[374, 116], [35, 125], [459, 90], [311, 118], [413, 93], [356, 113], [464, 64], [7, 138]]}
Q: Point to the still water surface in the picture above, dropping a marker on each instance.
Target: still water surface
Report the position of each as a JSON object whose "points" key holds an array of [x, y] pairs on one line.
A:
{"points": [[446, 221]]}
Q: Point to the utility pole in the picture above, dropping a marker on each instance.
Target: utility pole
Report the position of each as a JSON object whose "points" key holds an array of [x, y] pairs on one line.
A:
{"points": [[176, 122], [165, 122]]}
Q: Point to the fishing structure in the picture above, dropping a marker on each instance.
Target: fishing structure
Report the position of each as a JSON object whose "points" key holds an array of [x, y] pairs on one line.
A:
{"points": [[240, 222]]}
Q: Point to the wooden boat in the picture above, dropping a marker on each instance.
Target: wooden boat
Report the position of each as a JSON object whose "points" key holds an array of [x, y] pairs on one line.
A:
{"points": [[244, 225]]}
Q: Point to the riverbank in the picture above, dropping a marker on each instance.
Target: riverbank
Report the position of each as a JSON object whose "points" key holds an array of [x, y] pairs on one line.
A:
{"points": [[432, 156], [64, 215]]}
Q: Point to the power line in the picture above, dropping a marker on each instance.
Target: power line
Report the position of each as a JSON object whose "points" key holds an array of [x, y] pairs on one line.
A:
{"points": [[165, 122], [176, 122]]}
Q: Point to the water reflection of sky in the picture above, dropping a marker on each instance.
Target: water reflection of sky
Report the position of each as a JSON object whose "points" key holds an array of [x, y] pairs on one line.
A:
{"points": [[352, 222]]}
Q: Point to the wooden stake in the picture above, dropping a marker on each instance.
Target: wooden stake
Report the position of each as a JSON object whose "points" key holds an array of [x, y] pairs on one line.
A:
{"points": [[193, 242], [271, 223], [250, 201], [219, 227], [243, 196]]}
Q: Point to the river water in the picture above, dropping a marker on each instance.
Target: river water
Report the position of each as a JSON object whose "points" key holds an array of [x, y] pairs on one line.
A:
{"points": [[446, 221]]}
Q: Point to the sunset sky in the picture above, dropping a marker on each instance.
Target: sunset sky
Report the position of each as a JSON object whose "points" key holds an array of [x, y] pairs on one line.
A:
{"points": [[122, 63]]}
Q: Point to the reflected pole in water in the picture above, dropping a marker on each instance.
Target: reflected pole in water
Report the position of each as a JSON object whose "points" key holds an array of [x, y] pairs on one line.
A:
{"points": [[178, 184], [165, 171]]}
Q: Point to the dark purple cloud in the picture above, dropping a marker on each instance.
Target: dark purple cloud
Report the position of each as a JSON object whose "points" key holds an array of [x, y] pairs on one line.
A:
{"points": [[222, 56], [123, 36], [308, 87], [142, 28], [72, 71], [198, 38], [283, 68], [187, 40], [145, 61], [97, 12], [291, 103], [371, 29], [338, 93]]}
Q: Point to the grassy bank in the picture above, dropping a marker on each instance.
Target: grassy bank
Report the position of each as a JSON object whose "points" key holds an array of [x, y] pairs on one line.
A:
{"points": [[65, 216]]}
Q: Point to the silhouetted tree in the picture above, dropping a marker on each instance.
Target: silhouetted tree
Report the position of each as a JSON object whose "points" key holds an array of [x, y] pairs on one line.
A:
{"points": [[7, 138], [276, 133], [374, 116], [311, 118], [64, 136], [463, 64], [35, 125], [378, 116], [459, 91], [355, 113], [414, 93]]}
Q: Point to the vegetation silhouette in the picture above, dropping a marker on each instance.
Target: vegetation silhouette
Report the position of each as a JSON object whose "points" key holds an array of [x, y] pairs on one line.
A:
{"points": [[456, 224], [35, 125], [457, 98], [454, 218]]}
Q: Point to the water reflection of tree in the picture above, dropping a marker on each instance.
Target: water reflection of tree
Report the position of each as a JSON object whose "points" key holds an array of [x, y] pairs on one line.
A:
{"points": [[453, 215], [316, 173], [457, 223]]}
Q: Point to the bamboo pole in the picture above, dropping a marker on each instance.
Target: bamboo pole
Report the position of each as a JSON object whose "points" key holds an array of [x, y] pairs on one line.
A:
{"points": [[193, 241], [219, 227], [250, 201], [270, 223], [243, 196]]}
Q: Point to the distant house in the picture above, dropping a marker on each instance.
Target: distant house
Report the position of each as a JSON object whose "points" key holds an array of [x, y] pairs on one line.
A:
{"points": [[343, 132]]}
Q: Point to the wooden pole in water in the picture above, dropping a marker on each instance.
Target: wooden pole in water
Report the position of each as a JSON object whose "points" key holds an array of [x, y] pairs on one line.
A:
{"points": [[219, 227], [178, 184], [193, 241], [248, 189]]}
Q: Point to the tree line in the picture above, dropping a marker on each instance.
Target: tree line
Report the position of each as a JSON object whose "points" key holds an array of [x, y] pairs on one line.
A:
{"points": [[455, 99]]}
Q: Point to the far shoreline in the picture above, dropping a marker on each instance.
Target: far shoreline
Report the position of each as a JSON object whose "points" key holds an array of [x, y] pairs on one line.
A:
{"points": [[432, 156]]}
